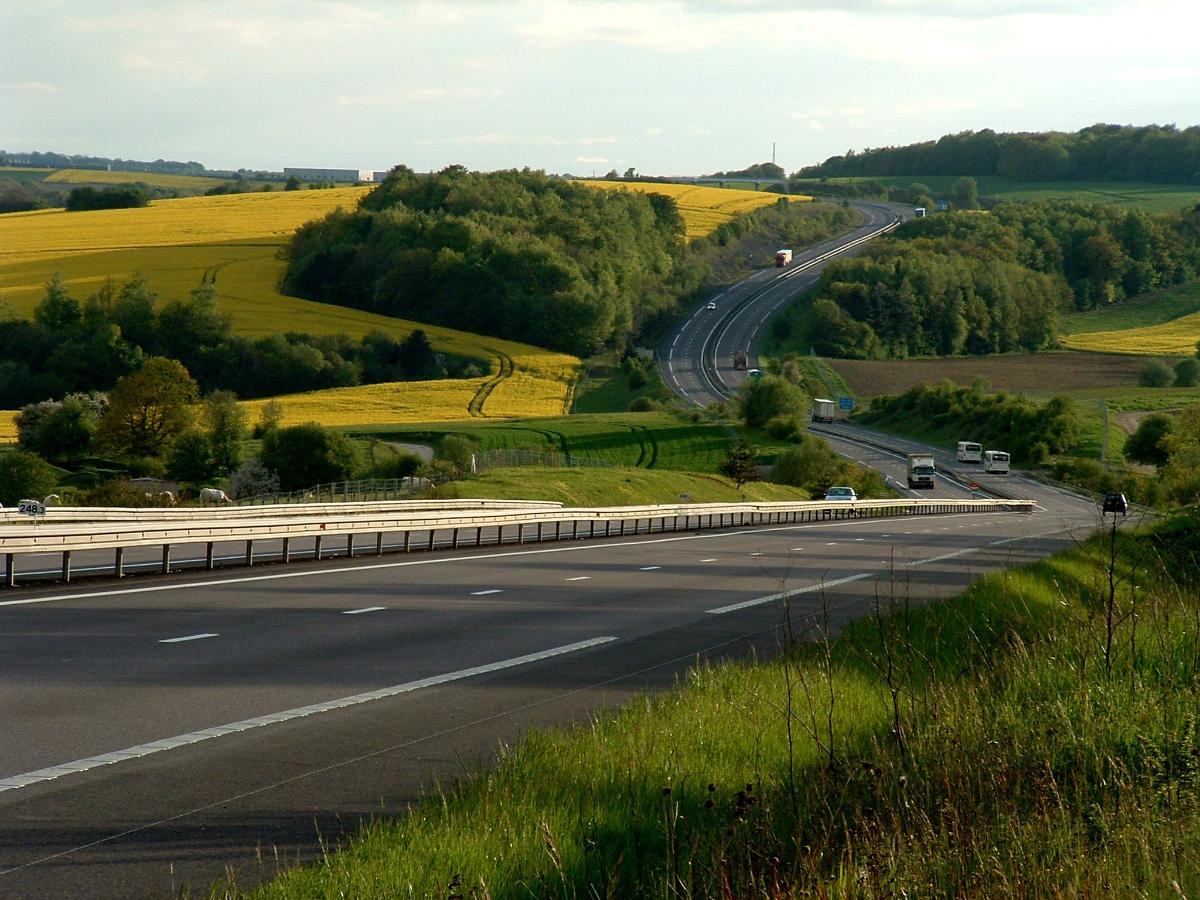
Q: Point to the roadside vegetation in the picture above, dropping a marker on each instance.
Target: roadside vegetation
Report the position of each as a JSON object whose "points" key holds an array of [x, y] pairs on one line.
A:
{"points": [[1035, 735]]}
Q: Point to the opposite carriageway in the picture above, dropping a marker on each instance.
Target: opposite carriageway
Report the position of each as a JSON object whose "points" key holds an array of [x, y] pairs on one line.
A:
{"points": [[415, 525]]}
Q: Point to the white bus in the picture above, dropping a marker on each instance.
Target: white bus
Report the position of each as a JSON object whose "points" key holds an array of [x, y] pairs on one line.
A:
{"points": [[996, 462], [969, 451]]}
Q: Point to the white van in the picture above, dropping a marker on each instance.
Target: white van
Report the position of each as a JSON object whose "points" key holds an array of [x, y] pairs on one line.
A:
{"points": [[969, 451], [995, 462]]}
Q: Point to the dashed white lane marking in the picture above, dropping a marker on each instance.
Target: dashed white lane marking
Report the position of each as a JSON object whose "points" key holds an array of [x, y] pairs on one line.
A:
{"points": [[580, 578], [488, 591], [365, 609], [649, 568], [710, 559], [182, 740], [795, 549], [187, 637], [758, 554], [733, 607], [831, 544], [859, 540]]}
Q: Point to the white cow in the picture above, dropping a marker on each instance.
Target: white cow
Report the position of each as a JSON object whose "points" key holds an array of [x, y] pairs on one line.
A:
{"points": [[213, 495]]}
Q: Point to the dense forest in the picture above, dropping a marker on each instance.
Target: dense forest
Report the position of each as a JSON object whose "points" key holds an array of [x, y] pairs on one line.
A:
{"points": [[992, 282], [71, 346], [1100, 152], [515, 254]]}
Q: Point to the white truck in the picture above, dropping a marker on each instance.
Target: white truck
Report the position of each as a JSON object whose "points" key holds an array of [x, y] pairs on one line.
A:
{"points": [[783, 257], [995, 462], [969, 451], [920, 470], [822, 410]]}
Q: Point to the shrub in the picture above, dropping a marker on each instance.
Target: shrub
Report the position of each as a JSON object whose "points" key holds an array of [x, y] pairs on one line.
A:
{"points": [[1155, 374], [1187, 373], [252, 479], [789, 427], [1145, 445], [762, 399], [25, 476], [402, 465], [642, 404], [309, 454]]}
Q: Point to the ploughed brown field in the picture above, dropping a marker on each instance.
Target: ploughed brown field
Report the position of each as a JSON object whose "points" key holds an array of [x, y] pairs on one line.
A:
{"points": [[1031, 373]]}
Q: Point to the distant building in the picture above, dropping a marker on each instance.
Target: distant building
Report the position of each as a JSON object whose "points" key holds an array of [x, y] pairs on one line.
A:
{"points": [[350, 176]]}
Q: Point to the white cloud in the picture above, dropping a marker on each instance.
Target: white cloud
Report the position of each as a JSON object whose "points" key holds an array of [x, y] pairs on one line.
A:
{"points": [[592, 160]]}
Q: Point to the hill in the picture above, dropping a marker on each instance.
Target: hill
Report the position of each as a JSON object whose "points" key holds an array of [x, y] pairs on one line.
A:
{"points": [[1102, 152]]}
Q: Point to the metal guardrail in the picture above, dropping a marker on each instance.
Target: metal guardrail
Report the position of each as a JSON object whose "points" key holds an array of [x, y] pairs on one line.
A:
{"points": [[567, 523], [172, 513]]}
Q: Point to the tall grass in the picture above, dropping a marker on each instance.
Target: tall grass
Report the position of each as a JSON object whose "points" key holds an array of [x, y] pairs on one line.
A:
{"points": [[1034, 737]]}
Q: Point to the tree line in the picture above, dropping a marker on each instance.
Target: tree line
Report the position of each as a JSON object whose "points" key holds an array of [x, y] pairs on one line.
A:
{"points": [[513, 254], [70, 346], [976, 283], [1100, 152]]}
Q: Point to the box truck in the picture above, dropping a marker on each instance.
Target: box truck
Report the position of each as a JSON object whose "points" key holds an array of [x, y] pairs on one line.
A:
{"points": [[822, 410], [783, 257], [739, 359], [920, 470]]}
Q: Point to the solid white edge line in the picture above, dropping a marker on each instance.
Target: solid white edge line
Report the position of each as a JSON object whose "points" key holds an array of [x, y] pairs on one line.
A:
{"points": [[82, 765]]}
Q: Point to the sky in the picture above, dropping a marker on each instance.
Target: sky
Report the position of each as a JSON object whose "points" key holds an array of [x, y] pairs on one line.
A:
{"points": [[668, 88]]}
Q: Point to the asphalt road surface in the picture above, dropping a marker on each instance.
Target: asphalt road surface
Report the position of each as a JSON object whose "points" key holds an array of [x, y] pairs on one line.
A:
{"points": [[697, 358], [157, 733]]}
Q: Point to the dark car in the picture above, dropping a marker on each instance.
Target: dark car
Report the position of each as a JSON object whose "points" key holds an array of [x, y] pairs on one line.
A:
{"points": [[1114, 502]]}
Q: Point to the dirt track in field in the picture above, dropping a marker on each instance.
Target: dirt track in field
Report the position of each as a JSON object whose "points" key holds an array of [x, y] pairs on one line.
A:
{"points": [[1031, 373]]}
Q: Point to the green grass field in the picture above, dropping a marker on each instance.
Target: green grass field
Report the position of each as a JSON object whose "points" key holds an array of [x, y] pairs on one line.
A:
{"points": [[616, 487], [1006, 743], [642, 440], [1143, 195]]}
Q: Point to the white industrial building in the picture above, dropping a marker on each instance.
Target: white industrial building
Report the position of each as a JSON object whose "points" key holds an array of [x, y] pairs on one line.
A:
{"points": [[338, 175]]}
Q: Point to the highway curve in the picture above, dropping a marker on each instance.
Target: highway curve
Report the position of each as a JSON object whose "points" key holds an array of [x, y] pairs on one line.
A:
{"points": [[697, 357]]}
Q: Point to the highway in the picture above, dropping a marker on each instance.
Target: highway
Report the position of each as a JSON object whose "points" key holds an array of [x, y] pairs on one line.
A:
{"points": [[163, 731], [697, 357]]}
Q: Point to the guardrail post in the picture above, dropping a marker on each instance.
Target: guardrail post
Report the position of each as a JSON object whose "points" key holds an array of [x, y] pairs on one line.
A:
{"points": [[350, 545], [432, 535], [317, 548], [379, 544], [166, 559], [287, 549], [574, 529], [119, 562], [208, 556], [539, 533], [455, 538], [407, 539], [520, 532], [249, 552], [10, 570], [478, 535], [66, 566]]}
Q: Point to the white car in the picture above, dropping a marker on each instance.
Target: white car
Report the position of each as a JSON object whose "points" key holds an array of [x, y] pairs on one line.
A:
{"points": [[711, 305], [841, 493]]}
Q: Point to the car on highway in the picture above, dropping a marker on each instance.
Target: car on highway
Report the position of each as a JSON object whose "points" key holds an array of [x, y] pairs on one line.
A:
{"points": [[711, 305], [1114, 502], [841, 492]]}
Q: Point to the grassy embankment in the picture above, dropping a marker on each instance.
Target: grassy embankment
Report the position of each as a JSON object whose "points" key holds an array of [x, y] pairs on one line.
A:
{"points": [[1027, 738]]}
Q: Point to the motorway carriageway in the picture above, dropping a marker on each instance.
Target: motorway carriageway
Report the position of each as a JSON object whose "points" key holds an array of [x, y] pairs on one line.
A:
{"points": [[161, 731]]}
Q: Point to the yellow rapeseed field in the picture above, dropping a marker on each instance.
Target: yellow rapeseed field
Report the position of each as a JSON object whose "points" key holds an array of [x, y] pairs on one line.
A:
{"points": [[377, 404], [234, 241], [704, 209], [1174, 338], [8, 426], [154, 179]]}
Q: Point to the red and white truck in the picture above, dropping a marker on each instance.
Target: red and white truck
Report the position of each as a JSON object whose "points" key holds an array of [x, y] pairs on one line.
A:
{"points": [[783, 257]]}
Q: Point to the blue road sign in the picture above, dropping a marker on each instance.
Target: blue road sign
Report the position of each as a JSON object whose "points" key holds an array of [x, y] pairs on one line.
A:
{"points": [[845, 403]]}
